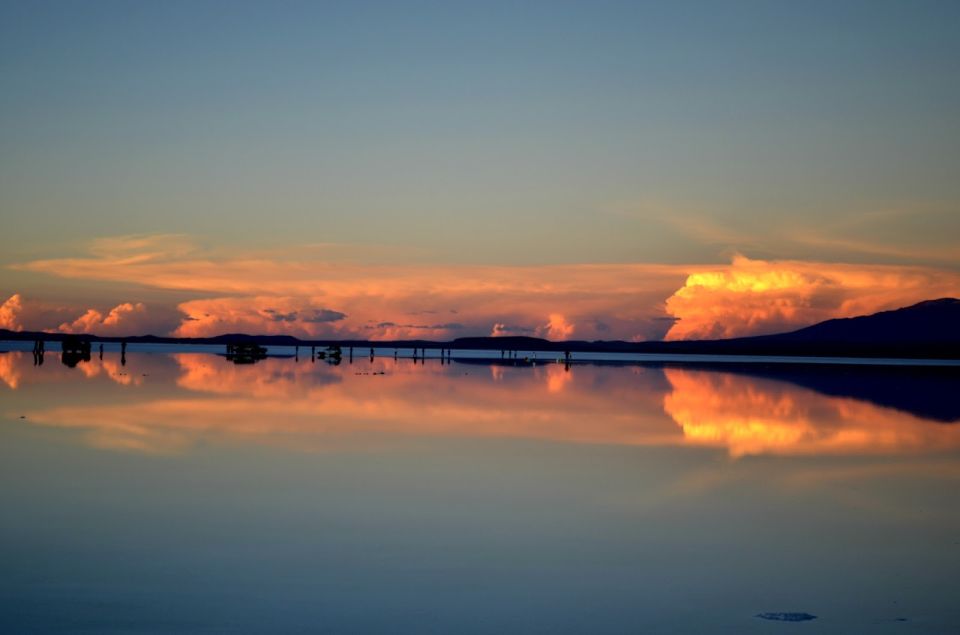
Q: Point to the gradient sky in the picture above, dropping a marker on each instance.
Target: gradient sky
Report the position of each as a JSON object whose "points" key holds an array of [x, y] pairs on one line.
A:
{"points": [[592, 169]]}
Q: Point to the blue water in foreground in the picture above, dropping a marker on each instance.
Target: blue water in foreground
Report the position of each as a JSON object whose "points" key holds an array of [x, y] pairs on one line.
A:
{"points": [[176, 492]]}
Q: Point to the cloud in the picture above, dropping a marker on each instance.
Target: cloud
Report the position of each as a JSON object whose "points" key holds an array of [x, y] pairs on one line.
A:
{"points": [[884, 230], [557, 328], [321, 316], [502, 330], [346, 297], [266, 315], [452, 326], [297, 292], [141, 248], [126, 318], [754, 297], [276, 316], [10, 313], [316, 316], [123, 319], [923, 253]]}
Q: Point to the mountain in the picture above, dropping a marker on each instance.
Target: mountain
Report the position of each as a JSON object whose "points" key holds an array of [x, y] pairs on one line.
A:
{"points": [[930, 322]]}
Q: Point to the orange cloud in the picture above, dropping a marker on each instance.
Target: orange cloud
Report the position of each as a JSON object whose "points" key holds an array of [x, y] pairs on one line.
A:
{"points": [[558, 328], [127, 318], [301, 293], [123, 319], [262, 314], [754, 297], [380, 301], [10, 313]]}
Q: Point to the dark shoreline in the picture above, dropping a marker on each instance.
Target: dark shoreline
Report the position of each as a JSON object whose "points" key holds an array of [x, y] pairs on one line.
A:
{"points": [[927, 330], [752, 346], [925, 388]]}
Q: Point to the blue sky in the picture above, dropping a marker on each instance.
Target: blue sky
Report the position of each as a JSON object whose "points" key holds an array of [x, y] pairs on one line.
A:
{"points": [[515, 134]]}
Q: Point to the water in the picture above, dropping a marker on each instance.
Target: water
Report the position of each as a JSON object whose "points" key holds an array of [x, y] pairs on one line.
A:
{"points": [[181, 493]]}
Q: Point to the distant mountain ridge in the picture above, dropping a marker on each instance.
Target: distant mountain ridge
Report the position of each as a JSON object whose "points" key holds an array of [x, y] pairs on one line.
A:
{"points": [[932, 321], [929, 329]]}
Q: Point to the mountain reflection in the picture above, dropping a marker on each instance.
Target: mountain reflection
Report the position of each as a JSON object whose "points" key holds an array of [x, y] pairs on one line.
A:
{"points": [[168, 403], [752, 415]]}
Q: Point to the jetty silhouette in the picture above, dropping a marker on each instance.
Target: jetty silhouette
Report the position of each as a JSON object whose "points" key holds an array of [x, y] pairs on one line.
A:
{"points": [[74, 349]]}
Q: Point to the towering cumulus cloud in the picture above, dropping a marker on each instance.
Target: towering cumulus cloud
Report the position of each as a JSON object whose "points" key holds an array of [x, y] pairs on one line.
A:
{"points": [[558, 328], [123, 319], [10, 313], [755, 297]]}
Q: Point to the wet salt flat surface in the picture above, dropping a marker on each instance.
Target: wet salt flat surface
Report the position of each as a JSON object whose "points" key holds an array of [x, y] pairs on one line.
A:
{"points": [[179, 492]]}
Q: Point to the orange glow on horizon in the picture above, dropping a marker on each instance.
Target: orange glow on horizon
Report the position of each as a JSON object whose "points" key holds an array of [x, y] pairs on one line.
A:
{"points": [[299, 293]]}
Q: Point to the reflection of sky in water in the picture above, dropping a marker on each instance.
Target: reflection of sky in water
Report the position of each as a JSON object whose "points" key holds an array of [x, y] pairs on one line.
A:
{"points": [[182, 493], [315, 406]]}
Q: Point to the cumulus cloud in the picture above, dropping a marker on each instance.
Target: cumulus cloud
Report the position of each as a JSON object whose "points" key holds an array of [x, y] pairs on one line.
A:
{"points": [[10, 312], [502, 330], [266, 315], [299, 293], [627, 296], [124, 319], [557, 328], [755, 297]]}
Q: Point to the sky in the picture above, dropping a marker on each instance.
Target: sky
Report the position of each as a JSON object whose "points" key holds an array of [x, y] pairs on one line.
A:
{"points": [[570, 170]]}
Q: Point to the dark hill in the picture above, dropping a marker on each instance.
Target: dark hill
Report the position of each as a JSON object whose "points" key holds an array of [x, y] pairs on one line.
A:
{"points": [[930, 322], [929, 329]]}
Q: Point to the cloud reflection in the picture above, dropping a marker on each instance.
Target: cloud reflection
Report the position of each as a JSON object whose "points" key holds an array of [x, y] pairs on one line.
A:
{"points": [[184, 399], [749, 416], [9, 371], [319, 407]]}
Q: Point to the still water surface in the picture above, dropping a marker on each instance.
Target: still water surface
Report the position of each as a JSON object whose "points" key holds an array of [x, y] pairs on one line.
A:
{"points": [[181, 493]]}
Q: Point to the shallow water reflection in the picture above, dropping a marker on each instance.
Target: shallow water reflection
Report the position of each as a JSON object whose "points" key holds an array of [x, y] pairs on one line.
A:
{"points": [[313, 406], [182, 493]]}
